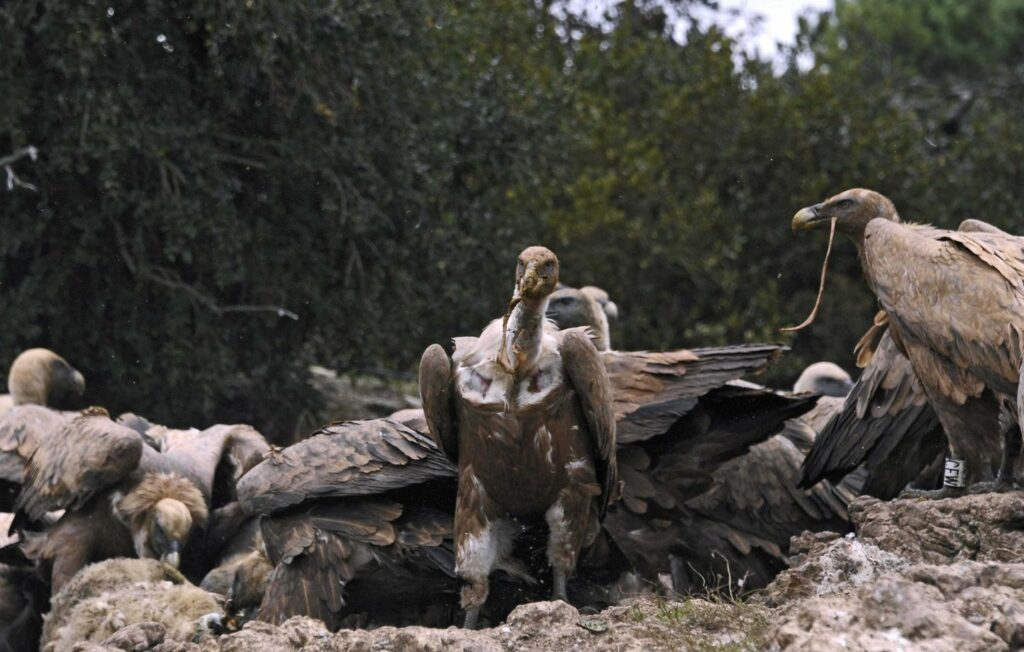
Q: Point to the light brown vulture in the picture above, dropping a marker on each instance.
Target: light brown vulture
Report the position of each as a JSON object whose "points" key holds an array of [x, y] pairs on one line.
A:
{"points": [[888, 428], [953, 304], [121, 496], [41, 377], [526, 411]]}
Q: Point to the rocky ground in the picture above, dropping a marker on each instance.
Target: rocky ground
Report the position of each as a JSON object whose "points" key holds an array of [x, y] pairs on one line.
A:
{"points": [[915, 575]]}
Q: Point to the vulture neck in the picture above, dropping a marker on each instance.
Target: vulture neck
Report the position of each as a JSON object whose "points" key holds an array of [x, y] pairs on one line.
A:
{"points": [[523, 336]]}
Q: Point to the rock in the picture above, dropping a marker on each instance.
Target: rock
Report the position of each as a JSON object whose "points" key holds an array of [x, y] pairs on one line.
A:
{"points": [[823, 563], [985, 527]]}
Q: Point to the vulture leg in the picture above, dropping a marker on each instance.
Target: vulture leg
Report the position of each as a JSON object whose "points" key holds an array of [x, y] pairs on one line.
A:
{"points": [[572, 522], [483, 540], [1011, 450]]}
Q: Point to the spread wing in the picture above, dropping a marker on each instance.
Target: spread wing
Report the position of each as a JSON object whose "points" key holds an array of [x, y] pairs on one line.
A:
{"points": [[653, 389], [437, 387], [320, 550], [586, 372], [356, 458], [655, 522], [886, 423], [88, 454]]}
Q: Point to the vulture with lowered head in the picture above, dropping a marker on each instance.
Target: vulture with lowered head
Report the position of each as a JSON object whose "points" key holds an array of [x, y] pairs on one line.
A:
{"points": [[525, 410], [41, 377], [954, 307], [122, 496]]}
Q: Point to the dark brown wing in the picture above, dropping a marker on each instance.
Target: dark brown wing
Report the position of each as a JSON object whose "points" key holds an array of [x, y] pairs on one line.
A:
{"points": [[653, 389], [22, 428], [87, 455], [437, 386], [886, 423], [586, 372], [356, 458], [653, 523], [321, 549]]}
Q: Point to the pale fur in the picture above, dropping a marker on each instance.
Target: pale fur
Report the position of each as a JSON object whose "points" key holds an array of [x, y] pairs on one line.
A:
{"points": [[144, 502]]}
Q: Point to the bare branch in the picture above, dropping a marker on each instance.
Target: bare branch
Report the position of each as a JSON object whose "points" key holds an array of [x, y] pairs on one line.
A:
{"points": [[13, 181], [170, 279]]}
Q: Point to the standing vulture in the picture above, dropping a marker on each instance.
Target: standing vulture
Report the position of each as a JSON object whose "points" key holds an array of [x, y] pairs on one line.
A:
{"points": [[41, 377], [954, 307], [526, 412], [888, 427]]}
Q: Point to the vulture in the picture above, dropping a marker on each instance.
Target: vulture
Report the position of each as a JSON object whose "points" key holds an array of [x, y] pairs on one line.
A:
{"points": [[122, 497], [41, 377], [22, 428], [525, 410], [964, 349], [825, 379]]}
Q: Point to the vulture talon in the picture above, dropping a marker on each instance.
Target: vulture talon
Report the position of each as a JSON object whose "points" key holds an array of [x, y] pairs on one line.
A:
{"points": [[933, 494]]}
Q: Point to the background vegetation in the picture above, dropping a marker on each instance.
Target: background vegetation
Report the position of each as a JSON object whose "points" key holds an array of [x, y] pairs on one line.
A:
{"points": [[374, 166]]}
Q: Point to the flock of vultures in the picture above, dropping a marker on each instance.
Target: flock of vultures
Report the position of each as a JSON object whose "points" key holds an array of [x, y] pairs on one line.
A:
{"points": [[544, 463]]}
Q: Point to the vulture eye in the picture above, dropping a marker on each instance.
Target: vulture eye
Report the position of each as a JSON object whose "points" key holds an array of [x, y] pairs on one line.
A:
{"points": [[844, 203]]}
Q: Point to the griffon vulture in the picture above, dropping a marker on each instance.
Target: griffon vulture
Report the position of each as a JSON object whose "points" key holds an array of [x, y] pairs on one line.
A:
{"points": [[41, 377], [526, 411], [888, 428], [954, 307], [824, 378], [122, 496]]}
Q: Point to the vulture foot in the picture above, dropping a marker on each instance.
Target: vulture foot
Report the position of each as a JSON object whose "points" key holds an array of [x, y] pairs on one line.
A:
{"points": [[934, 494], [1001, 486]]}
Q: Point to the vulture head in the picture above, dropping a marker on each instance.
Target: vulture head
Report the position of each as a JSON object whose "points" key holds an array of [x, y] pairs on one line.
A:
{"points": [[536, 274], [161, 512], [570, 308], [825, 378], [601, 297], [852, 209], [42, 377]]}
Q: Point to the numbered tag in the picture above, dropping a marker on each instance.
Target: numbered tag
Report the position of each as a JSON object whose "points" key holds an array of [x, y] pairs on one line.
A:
{"points": [[954, 474]]}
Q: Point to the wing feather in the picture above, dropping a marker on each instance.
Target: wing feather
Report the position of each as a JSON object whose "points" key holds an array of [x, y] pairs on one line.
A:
{"points": [[346, 459], [589, 379], [87, 455]]}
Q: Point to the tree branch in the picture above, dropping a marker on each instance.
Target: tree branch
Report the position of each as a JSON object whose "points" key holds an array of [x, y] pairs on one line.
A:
{"points": [[13, 181], [170, 279]]}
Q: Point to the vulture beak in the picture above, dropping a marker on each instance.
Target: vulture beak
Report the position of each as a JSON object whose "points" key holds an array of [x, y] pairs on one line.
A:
{"points": [[79, 382], [611, 310], [173, 554], [809, 218], [530, 282]]}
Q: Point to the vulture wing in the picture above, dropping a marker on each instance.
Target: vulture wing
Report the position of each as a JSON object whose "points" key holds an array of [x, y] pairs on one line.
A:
{"points": [[319, 550], [587, 375], [22, 429], [653, 389], [218, 456], [437, 391], [974, 337], [356, 458], [885, 423], [88, 454]]}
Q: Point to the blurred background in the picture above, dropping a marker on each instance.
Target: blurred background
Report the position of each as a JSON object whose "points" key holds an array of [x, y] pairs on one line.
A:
{"points": [[230, 191]]}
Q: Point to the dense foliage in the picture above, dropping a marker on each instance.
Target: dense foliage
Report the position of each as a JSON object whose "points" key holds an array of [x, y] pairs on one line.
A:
{"points": [[373, 166]]}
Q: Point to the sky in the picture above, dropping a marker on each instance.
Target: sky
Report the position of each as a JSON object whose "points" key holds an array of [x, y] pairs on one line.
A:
{"points": [[766, 21]]}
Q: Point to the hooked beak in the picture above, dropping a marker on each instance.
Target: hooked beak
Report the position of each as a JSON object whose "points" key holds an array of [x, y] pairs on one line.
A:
{"points": [[809, 218], [173, 555], [79, 381]]}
